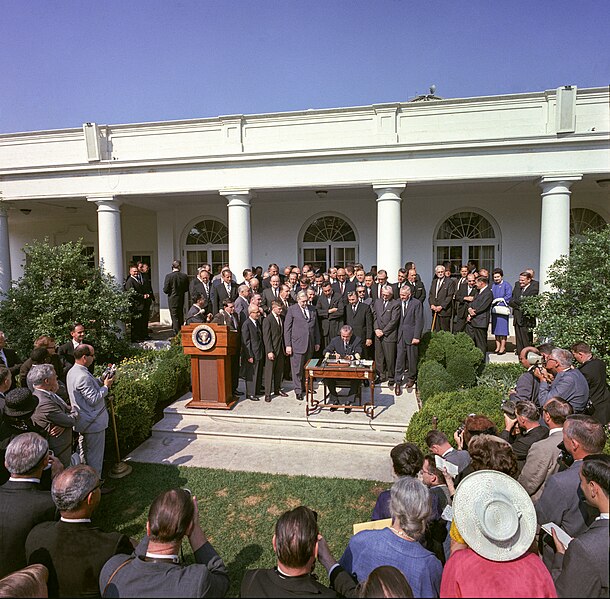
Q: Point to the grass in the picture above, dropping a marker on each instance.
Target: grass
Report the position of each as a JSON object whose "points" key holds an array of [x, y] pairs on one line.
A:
{"points": [[238, 510]]}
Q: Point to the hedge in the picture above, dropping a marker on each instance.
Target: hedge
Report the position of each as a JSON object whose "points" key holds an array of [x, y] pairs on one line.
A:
{"points": [[447, 363], [502, 377], [143, 381], [451, 408]]}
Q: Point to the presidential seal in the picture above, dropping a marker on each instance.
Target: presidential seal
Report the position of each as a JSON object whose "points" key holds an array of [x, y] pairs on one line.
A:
{"points": [[204, 337]]}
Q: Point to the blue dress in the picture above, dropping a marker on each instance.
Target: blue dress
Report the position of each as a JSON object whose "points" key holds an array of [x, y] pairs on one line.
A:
{"points": [[499, 322]]}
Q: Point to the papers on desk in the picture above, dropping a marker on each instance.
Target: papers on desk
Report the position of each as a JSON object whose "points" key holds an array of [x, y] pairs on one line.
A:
{"points": [[367, 363], [562, 535], [442, 463]]}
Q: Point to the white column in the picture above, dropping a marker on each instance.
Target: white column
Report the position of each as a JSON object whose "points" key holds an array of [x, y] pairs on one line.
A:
{"points": [[110, 242], [554, 223], [389, 227], [5, 253], [240, 236]]}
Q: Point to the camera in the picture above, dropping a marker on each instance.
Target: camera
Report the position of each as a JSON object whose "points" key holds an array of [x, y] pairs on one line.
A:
{"points": [[460, 429], [534, 359], [508, 407], [565, 458], [109, 372]]}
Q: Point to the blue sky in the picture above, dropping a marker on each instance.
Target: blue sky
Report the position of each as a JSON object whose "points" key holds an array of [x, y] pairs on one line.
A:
{"points": [[67, 62]]}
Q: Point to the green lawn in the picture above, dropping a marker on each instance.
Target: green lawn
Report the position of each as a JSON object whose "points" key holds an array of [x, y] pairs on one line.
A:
{"points": [[238, 509]]}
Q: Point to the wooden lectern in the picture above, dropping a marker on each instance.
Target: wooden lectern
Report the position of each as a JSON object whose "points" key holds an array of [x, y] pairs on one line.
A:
{"points": [[210, 348]]}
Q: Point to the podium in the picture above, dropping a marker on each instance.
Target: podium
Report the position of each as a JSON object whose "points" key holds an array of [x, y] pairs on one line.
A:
{"points": [[210, 347]]}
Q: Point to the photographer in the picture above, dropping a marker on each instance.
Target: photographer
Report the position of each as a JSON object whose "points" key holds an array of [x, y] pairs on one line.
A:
{"points": [[527, 386], [527, 418], [87, 395]]}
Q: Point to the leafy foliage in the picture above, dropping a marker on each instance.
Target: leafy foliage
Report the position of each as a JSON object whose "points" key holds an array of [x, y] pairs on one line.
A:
{"points": [[451, 408], [57, 289], [577, 307], [502, 377]]}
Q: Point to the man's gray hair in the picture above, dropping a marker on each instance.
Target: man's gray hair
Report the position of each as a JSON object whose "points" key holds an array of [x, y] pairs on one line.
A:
{"points": [[387, 288], [72, 486], [25, 452], [564, 357], [243, 288], [410, 504], [301, 295], [346, 328], [39, 373]]}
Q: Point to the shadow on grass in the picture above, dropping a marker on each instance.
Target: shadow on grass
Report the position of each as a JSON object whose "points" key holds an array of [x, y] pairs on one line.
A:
{"points": [[247, 556]]}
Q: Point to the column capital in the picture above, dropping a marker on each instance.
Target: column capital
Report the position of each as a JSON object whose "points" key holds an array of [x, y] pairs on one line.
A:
{"points": [[549, 182], [237, 197], [389, 191], [106, 202]]}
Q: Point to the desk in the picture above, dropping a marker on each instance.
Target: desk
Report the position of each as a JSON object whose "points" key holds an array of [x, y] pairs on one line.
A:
{"points": [[315, 370]]}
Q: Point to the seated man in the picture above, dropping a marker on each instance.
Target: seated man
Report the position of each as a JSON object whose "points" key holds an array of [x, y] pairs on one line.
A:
{"points": [[295, 544], [198, 313], [155, 569], [74, 550], [23, 504], [349, 347]]}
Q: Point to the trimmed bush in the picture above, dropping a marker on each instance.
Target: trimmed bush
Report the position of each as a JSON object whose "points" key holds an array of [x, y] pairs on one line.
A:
{"points": [[451, 408], [142, 382], [502, 377], [433, 378], [461, 371]]}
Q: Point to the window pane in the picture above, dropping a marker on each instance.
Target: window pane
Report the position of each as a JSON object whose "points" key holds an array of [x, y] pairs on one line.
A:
{"points": [[450, 253], [466, 225], [219, 259], [327, 229], [194, 259], [583, 220], [483, 256], [208, 232], [316, 257]]}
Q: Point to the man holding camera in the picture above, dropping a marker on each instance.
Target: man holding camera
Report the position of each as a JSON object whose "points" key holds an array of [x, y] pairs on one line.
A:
{"points": [[527, 418], [87, 395]]}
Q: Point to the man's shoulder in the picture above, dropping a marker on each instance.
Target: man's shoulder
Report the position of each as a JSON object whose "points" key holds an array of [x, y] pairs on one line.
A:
{"points": [[269, 582]]}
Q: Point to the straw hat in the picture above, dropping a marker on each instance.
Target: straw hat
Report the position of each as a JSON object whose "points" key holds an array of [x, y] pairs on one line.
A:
{"points": [[495, 515]]}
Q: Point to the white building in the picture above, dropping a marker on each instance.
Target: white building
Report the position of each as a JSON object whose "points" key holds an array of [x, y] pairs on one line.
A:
{"points": [[502, 180]]}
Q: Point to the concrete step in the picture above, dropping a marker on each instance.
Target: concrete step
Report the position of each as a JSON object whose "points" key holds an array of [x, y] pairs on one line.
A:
{"points": [[277, 430]]}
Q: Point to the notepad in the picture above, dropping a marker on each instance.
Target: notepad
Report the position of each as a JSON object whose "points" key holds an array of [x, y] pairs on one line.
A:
{"points": [[442, 463], [562, 535]]}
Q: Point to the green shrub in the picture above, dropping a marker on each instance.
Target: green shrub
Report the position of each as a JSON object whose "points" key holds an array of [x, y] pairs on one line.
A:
{"points": [[461, 371], [433, 378], [451, 408], [502, 377], [57, 289], [142, 382]]}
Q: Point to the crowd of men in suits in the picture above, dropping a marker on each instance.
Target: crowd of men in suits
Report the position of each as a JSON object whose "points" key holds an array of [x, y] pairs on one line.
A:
{"points": [[387, 318]]}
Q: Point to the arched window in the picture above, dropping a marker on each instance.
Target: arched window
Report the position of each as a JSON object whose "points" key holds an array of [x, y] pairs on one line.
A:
{"points": [[206, 241], [467, 236], [583, 220], [329, 241]]}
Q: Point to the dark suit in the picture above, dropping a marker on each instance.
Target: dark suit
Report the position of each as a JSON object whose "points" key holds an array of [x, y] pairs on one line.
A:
{"points": [[410, 327], [241, 307], [479, 323], [330, 323], [563, 503], [195, 287], [252, 349], [74, 553], [523, 324], [273, 339], [418, 290], [361, 320], [22, 506], [301, 335], [231, 321], [337, 346], [13, 363], [175, 286], [195, 315], [387, 320], [442, 297], [269, 296], [270, 583], [219, 293], [461, 306], [139, 328], [523, 441], [347, 286], [371, 292], [594, 370], [583, 570], [66, 352]]}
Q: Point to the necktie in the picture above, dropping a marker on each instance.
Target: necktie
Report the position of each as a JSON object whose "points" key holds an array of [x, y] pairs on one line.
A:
{"points": [[404, 309], [342, 286], [306, 314], [345, 347], [3, 358], [438, 285], [275, 292], [279, 322], [228, 288], [354, 308], [385, 305]]}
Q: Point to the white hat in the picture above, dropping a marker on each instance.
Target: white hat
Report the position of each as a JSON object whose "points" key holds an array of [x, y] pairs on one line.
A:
{"points": [[494, 515]]}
